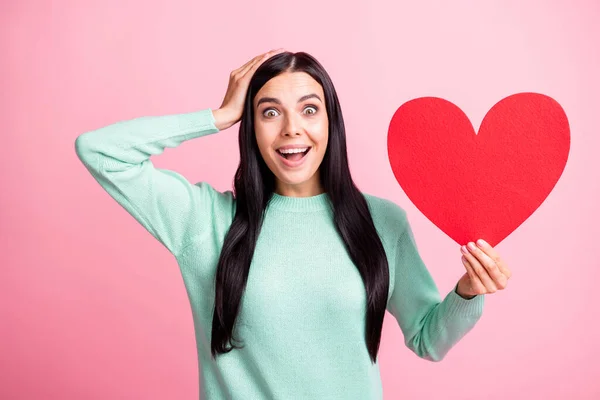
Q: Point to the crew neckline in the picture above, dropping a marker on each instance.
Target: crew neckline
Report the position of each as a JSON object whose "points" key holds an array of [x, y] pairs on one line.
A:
{"points": [[310, 203]]}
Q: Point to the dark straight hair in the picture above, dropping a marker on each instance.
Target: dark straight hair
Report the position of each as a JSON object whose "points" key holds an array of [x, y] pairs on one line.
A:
{"points": [[254, 184]]}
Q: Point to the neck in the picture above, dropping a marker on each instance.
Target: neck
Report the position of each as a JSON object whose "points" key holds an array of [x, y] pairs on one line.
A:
{"points": [[305, 189]]}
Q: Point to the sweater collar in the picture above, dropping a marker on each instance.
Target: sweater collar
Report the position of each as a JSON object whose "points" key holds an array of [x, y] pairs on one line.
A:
{"points": [[311, 203]]}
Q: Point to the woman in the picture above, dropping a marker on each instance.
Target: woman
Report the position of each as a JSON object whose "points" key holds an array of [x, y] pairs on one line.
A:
{"points": [[289, 276]]}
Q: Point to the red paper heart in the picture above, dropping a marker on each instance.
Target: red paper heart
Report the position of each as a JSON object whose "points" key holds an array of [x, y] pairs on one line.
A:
{"points": [[482, 185]]}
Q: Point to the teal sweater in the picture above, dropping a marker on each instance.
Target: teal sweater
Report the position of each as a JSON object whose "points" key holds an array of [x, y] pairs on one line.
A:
{"points": [[302, 316]]}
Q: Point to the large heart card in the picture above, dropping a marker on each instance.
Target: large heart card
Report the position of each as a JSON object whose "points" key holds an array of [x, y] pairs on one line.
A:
{"points": [[481, 184]]}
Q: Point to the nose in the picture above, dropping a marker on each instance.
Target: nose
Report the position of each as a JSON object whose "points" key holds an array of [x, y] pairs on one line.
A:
{"points": [[293, 126]]}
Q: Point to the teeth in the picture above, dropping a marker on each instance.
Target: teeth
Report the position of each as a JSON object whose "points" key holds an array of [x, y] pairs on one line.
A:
{"points": [[291, 151]]}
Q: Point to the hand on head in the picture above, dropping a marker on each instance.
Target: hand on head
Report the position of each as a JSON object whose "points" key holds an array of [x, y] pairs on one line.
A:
{"points": [[232, 106]]}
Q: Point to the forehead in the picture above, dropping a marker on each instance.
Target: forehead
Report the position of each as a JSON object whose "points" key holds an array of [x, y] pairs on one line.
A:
{"points": [[289, 86]]}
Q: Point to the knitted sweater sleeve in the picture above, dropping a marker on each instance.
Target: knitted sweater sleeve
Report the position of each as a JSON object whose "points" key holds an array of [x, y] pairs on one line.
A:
{"points": [[172, 209], [431, 326]]}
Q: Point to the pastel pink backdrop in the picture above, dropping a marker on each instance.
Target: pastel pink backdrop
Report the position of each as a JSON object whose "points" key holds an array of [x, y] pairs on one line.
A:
{"points": [[93, 307]]}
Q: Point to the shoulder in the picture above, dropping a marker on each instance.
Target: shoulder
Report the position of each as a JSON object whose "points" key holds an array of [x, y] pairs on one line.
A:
{"points": [[220, 202], [389, 218], [386, 209]]}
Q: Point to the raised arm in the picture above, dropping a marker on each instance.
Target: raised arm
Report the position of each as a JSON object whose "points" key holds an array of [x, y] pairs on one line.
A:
{"points": [[172, 209], [431, 327]]}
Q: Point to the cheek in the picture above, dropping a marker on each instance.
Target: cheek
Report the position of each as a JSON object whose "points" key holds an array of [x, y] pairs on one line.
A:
{"points": [[264, 140], [321, 131], [321, 137]]}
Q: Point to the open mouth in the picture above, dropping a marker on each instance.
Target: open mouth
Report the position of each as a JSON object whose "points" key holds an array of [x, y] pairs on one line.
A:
{"points": [[294, 156]]}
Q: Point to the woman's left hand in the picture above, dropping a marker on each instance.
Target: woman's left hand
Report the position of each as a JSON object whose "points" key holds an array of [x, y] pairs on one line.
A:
{"points": [[486, 271]]}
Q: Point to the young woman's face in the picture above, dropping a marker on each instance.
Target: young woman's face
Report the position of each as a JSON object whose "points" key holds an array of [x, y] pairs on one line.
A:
{"points": [[289, 114]]}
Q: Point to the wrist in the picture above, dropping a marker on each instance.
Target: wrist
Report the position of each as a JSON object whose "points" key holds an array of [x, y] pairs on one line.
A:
{"points": [[464, 296], [223, 120]]}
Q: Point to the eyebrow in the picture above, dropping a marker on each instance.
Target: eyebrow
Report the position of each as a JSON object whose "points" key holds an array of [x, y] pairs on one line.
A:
{"points": [[275, 100]]}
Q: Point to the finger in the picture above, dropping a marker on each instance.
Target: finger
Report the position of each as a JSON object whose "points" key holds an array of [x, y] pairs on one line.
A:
{"points": [[242, 71], [493, 254], [237, 70], [480, 270], [250, 68], [252, 60], [490, 265], [476, 283]]}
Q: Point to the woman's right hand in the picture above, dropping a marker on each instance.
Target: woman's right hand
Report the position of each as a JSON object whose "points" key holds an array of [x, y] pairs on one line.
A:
{"points": [[232, 107]]}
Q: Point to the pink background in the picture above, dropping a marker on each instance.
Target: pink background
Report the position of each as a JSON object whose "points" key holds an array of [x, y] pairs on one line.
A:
{"points": [[93, 307]]}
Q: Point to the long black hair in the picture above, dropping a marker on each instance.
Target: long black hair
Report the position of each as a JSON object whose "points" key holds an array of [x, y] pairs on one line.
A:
{"points": [[254, 184]]}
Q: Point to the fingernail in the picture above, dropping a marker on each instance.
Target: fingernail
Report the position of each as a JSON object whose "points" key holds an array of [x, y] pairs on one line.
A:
{"points": [[464, 250], [481, 242], [472, 245]]}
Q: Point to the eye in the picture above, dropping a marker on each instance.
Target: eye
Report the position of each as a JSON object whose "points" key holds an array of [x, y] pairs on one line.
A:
{"points": [[268, 110], [315, 108]]}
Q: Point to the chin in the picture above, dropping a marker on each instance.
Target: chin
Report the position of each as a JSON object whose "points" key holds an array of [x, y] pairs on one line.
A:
{"points": [[293, 179]]}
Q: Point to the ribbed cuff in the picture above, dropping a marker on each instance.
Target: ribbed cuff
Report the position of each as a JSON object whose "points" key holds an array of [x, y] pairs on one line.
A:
{"points": [[197, 123], [459, 307]]}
